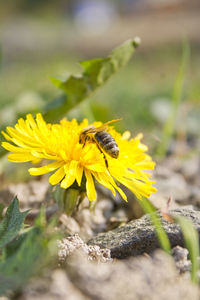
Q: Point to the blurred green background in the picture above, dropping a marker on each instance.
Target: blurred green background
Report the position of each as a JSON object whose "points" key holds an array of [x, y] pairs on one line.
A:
{"points": [[43, 39]]}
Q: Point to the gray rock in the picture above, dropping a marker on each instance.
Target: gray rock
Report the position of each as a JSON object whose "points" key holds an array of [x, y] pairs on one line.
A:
{"points": [[54, 285], [139, 236], [67, 246], [135, 278], [182, 262]]}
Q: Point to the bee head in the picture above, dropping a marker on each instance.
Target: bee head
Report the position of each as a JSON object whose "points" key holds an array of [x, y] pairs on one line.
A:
{"points": [[82, 138], [85, 134]]}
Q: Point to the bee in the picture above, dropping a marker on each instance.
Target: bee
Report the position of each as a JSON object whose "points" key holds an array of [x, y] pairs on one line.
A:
{"points": [[103, 140]]}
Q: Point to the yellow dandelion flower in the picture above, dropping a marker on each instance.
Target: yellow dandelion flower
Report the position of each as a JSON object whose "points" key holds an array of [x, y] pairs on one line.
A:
{"points": [[35, 140]]}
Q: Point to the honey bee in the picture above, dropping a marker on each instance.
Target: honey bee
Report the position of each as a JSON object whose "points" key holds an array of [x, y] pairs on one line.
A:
{"points": [[103, 140]]}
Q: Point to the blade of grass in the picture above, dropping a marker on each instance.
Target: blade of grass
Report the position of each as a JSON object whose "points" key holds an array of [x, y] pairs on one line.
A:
{"points": [[191, 239], [163, 239], [177, 92]]}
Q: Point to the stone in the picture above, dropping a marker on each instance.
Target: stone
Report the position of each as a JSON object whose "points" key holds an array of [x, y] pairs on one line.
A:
{"points": [[135, 278], [67, 246], [30, 194], [69, 224], [180, 255], [139, 236], [51, 286], [131, 278]]}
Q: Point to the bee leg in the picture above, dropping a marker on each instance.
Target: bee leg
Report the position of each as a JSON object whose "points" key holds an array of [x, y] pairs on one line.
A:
{"points": [[106, 162], [86, 139]]}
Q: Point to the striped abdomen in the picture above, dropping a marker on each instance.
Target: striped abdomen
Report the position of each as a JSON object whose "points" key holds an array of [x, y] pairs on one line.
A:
{"points": [[107, 143]]}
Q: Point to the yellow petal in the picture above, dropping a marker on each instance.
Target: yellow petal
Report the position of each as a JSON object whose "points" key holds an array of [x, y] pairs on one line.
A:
{"points": [[146, 165], [31, 120], [90, 189], [70, 171], [21, 144], [110, 179], [57, 176], [6, 136], [126, 135], [13, 148], [103, 179], [44, 155], [97, 167], [63, 154], [45, 169], [26, 140], [138, 187], [123, 195], [42, 125], [36, 160], [22, 127], [67, 181], [79, 174], [71, 167], [20, 157], [139, 136]]}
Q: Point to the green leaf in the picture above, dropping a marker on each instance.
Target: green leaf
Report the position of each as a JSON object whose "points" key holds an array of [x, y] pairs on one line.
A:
{"points": [[191, 239], [2, 206], [26, 256], [12, 223], [163, 239], [95, 73], [176, 98], [17, 268]]}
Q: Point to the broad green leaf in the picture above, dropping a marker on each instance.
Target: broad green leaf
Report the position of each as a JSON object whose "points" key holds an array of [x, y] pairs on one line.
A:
{"points": [[12, 223], [191, 239], [25, 261], [13, 246], [26, 256], [95, 73]]}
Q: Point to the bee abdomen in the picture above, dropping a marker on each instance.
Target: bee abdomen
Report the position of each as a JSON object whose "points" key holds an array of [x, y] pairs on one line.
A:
{"points": [[110, 145], [104, 138], [107, 143]]}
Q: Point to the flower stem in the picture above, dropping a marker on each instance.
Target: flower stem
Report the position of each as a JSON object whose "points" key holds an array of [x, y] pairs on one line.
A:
{"points": [[70, 200]]}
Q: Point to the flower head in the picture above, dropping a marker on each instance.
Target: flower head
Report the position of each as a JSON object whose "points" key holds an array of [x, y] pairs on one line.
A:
{"points": [[35, 140]]}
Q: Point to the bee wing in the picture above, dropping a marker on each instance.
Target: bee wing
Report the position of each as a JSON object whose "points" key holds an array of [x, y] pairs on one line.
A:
{"points": [[110, 122], [105, 125], [98, 129], [89, 129], [93, 129]]}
